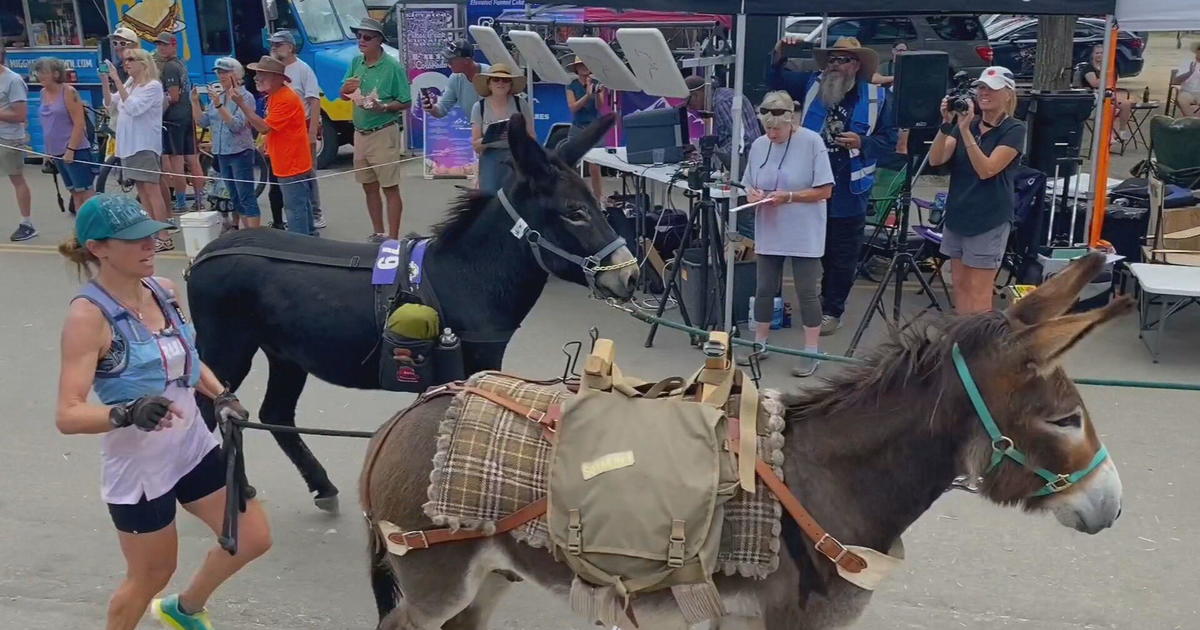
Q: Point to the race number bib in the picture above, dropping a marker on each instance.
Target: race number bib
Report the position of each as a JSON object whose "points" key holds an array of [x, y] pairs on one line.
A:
{"points": [[387, 263]]}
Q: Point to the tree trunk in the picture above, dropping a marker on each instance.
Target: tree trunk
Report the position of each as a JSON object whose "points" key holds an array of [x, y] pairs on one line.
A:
{"points": [[1055, 49]]}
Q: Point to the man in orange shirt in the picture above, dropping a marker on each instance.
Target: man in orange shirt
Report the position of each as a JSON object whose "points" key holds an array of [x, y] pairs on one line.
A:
{"points": [[287, 140]]}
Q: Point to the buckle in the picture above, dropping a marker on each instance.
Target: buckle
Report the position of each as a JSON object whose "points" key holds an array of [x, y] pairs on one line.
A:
{"points": [[842, 551], [1003, 439], [589, 265], [574, 533], [535, 416], [675, 549], [415, 540], [1058, 485]]}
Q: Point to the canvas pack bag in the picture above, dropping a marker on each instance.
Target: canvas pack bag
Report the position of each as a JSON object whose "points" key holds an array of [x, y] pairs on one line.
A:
{"points": [[638, 478]]}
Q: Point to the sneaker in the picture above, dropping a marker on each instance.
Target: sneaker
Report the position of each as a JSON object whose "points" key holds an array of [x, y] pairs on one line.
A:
{"points": [[24, 232], [376, 238], [319, 219], [167, 612], [279, 226], [164, 244], [805, 366], [830, 324]]}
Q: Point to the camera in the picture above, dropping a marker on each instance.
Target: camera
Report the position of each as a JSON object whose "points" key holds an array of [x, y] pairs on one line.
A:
{"points": [[962, 95]]}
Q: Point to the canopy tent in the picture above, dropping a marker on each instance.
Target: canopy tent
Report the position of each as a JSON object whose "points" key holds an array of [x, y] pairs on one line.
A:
{"points": [[864, 7], [1158, 15]]}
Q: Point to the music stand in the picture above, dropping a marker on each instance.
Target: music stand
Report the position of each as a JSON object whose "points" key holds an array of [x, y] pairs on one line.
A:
{"points": [[604, 63], [652, 62], [538, 56], [489, 42]]}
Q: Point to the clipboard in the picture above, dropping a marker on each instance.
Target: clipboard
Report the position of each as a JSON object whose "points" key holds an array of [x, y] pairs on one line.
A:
{"points": [[496, 132]]}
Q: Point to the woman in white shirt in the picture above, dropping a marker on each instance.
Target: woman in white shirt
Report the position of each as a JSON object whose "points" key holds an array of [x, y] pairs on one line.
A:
{"points": [[1187, 77], [789, 172], [138, 108]]}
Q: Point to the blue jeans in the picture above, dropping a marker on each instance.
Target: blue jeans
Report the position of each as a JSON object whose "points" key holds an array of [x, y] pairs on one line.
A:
{"points": [[297, 202], [240, 166], [77, 177]]}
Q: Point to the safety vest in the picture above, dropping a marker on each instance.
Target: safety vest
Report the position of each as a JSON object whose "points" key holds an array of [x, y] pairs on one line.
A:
{"points": [[862, 122]]}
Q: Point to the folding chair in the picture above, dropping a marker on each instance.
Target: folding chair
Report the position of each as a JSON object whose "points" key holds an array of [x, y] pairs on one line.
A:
{"points": [[1172, 102], [881, 218]]}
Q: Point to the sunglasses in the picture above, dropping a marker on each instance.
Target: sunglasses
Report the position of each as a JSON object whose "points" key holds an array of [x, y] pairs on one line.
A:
{"points": [[130, 60], [773, 112], [839, 59], [368, 37]]}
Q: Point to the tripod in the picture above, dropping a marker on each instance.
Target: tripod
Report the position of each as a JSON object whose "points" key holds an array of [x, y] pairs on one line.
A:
{"points": [[703, 223], [902, 262]]}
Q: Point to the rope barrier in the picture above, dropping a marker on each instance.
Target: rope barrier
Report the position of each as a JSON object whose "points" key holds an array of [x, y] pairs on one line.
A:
{"points": [[25, 149], [1099, 382]]}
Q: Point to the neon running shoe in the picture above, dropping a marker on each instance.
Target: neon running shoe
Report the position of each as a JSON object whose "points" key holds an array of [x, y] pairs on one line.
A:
{"points": [[167, 612]]}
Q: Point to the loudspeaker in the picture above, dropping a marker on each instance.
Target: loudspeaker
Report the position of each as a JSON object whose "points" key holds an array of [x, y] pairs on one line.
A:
{"points": [[1055, 122], [922, 78]]}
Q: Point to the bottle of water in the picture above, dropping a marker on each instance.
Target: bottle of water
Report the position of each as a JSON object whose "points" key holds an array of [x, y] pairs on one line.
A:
{"points": [[448, 340], [939, 208]]}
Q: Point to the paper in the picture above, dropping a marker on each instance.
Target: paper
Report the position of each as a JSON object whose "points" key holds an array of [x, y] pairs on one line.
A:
{"points": [[748, 205]]}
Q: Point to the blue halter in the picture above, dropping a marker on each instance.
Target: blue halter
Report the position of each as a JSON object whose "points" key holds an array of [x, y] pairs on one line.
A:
{"points": [[1003, 446]]}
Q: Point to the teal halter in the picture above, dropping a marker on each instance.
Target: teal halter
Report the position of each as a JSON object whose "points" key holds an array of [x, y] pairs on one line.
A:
{"points": [[1003, 446]]}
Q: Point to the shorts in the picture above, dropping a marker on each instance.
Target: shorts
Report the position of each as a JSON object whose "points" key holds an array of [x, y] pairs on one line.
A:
{"points": [[77, 177], [981, 251], [148, 163], [379, 153], [151, 515], [179, 138], [12, 161]]}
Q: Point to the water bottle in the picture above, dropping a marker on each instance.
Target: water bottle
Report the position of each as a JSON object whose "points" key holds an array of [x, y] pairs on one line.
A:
{"points": [[448, 359], [939, 208], [777, 316], [448, 340], [1146, 94]]}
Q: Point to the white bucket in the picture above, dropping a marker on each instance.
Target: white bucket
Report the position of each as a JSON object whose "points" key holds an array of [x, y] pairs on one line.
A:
{"points": [[199, 229]]}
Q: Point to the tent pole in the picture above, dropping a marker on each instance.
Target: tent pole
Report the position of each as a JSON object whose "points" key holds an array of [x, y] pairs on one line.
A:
{"points": [[1102, 138], [739, 84], [824, 30]]}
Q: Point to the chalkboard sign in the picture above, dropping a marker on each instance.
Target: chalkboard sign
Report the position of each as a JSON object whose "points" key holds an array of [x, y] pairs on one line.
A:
{"points": [[426, 32]]}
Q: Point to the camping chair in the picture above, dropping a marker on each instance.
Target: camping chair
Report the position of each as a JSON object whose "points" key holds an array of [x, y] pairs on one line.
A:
{"points": [[881, 224], [1172, 102], [1174, 160]]}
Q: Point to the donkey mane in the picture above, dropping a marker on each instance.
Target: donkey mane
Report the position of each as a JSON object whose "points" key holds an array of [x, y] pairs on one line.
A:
{"points": [[464, 209], [906, 358]]}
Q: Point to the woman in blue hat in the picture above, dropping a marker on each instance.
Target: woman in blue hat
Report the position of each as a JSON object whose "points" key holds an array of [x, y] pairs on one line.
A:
{"points": [[126, 339]]}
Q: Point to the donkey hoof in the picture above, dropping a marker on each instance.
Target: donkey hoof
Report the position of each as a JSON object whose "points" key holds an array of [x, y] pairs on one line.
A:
{"points": [[327, 504]]}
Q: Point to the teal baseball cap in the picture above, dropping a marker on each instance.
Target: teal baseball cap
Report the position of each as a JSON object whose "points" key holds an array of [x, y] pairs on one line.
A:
{"points": [[114, 216]]}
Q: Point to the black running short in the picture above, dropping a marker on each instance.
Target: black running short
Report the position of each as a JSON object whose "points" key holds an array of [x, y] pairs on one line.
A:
{"points": [[179, 138], [151, 515]]}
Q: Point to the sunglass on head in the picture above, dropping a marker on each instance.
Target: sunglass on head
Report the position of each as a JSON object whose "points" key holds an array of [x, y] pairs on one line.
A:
{"points": [[839, 59], [773, 112]]}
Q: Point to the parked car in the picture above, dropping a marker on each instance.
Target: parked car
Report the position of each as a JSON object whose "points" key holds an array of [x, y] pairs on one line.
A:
{"points": [[961, 36], [1015, 46], [800, 26]]}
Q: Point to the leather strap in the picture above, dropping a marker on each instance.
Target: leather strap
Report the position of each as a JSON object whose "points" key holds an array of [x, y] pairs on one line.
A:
{"points": [[546, 420], [424, 539]]}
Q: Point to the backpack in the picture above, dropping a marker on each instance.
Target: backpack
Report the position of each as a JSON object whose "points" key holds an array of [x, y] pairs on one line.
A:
{"points": [[638, 479]]}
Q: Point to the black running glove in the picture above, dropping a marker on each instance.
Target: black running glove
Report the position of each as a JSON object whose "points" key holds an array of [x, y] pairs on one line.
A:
{"points": [[229, 407], [144, 413]]}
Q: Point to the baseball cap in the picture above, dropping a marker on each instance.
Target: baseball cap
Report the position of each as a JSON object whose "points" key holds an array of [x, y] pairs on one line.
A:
{"points": [[458, 48], [165, 37], [283, 37], [125, 33], [226, 64], [694, 82], [997, 78], [114, 216]]}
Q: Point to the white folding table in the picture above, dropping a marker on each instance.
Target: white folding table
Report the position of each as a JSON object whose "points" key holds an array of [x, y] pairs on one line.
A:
{"points": [[1176, 284]]}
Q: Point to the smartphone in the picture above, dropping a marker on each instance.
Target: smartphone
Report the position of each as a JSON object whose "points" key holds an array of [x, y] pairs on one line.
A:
{"points": [[798, 50], [427, 95], [102, 69]]}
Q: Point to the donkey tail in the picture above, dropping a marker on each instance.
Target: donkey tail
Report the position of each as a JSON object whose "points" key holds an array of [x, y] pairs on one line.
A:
{"points": [[383, 581]]}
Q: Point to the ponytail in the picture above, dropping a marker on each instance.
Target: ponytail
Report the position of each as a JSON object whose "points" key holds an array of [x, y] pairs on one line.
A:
{"points": [[84, 259]]}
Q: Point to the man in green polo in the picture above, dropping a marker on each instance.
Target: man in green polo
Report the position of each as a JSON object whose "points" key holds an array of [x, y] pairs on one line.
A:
{"points": [[378, 85]]}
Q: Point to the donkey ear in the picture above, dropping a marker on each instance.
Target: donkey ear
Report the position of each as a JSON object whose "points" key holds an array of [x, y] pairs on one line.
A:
{"points": [[1057, 294], [574, 149], [528, 156], [1048, 340]]}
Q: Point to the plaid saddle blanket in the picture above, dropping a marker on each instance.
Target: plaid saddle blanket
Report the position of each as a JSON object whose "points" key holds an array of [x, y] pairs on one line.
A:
{"points": [[490, 462]]}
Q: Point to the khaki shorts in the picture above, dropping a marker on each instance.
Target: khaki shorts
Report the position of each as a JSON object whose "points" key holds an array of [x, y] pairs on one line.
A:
{"points": [[12, 161], [380, 150]]}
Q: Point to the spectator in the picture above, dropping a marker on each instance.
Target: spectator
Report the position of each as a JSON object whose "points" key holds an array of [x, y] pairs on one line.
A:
{"points": [[1089, 77], [982, 152], [888, 79], [378, 85], [584, 95], [498, 89], [789, 168], [720, 103], [855, 120], [304, 81], [122, 38], [138, 106], [287, 139], [1187, 77], [179, 132], [64, 129], [13, 113], [460, 91], [232, 140]]}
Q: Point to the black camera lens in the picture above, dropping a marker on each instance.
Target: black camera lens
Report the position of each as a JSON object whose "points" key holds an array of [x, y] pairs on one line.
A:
{"points": [[960, 105]]}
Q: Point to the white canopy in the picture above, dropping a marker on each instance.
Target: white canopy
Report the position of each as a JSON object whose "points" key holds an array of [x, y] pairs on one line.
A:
{"points": [[1158, 15]]}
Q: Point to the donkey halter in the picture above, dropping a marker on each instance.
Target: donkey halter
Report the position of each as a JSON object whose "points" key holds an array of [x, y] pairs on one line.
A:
{"points": [[591, 264], [1003, 446]]}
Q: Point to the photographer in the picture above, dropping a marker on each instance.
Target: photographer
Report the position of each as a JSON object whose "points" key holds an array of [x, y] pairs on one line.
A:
{"points": [[982, 149], [789, 168]]}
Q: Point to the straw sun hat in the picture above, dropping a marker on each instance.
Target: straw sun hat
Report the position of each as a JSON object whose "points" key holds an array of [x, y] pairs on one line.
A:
{"points": [[498, 71]]}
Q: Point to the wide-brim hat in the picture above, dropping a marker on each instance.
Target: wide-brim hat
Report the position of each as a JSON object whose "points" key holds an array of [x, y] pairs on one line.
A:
{"points": [[575, 63], [270, 64], [498, 71], [369, 24], [868, 60]]}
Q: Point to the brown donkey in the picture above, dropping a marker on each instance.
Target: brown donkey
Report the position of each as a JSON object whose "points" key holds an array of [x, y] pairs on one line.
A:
{"points": [[867, 454]]}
